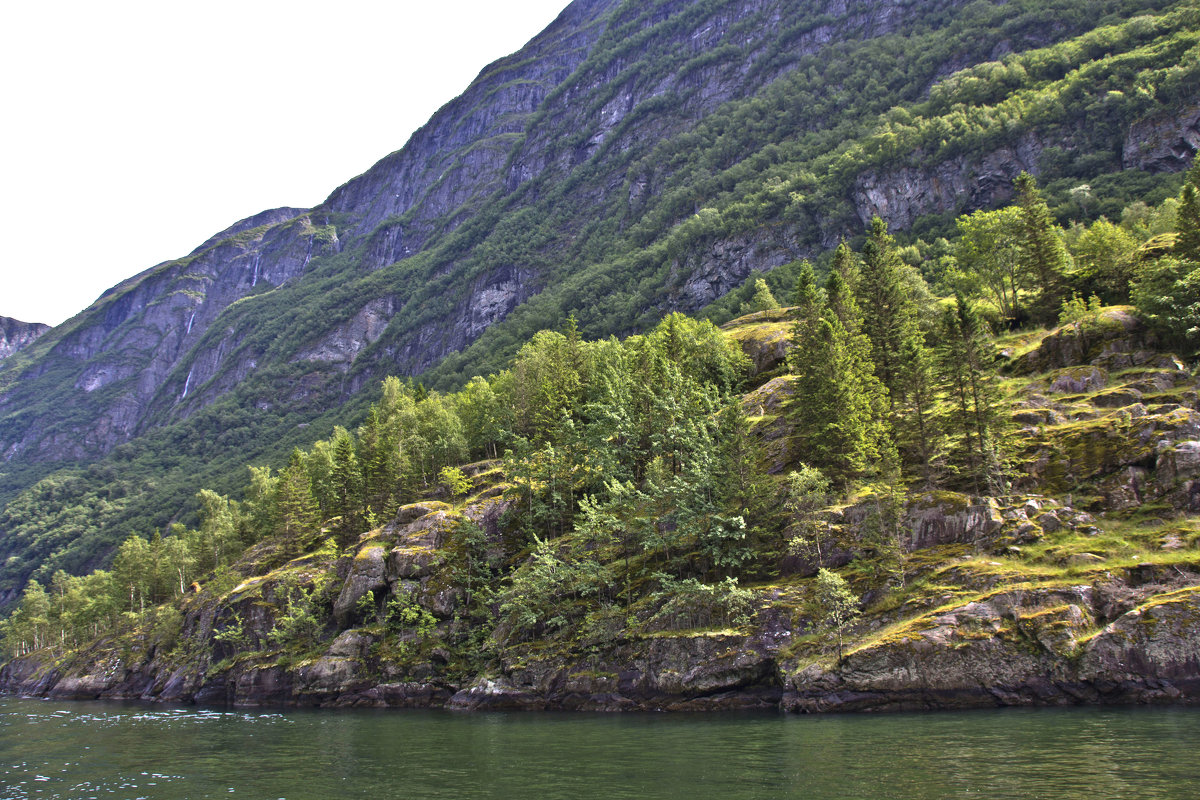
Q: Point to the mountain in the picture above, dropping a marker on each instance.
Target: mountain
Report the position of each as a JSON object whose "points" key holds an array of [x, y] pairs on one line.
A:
{"points": [[15, 335], [633, 159]]}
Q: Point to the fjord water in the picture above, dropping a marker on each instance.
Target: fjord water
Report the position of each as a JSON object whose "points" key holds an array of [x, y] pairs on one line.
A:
{"points": [[54, 749]]}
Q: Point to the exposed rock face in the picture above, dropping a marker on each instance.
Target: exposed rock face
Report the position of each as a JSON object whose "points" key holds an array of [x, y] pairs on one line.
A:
{"points": [[159, 347], [1039, 649], [1165, 142], [960, 184], [16, 335]]}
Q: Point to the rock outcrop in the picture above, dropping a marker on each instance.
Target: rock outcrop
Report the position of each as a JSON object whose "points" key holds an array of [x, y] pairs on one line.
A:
{"points": [[16, 335]]}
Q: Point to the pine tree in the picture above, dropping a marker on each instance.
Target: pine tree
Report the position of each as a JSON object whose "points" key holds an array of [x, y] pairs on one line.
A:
{"points": [[842, 303], [346, 478], [920, 438], [1043, 252], [889, 314], [968, 365], [297, 506], [839, 405], [845, 263]]}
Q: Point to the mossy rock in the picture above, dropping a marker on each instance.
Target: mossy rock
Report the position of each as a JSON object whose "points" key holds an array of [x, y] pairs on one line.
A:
{"points": [[1077, 380], [766, 344], [1111, 330], [414, 511], [1118, 398]]}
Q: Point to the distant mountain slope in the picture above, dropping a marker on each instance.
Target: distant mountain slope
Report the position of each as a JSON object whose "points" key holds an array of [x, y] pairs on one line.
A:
{"points": [[16, 335], [633, 158]]}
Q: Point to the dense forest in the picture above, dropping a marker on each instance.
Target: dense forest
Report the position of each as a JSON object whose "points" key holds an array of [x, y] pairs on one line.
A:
{"points": [[646, 482]]}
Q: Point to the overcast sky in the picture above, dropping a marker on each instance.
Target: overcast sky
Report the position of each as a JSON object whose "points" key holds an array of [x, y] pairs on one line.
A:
{"points": [[130, 132]]}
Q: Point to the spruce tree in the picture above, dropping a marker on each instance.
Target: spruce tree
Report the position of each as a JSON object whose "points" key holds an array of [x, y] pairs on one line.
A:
{"points": [[839, 406], [347, 485], [842, 303], [889, 314], [1044, 255], [297, 506], [920, 438], [845, 264], [967, 359]]}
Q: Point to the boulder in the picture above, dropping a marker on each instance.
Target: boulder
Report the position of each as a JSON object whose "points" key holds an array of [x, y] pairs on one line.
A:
{"points": [[1118, 398], [937, 518], [368, 573], [1077, 380]]}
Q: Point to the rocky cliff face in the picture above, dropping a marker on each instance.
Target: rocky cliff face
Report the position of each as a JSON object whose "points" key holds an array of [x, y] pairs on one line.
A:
{"points": [[16, 335]]}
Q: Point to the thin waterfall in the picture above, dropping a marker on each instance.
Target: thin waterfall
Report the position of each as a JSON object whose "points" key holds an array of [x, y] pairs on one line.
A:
{"points": [[191, 319], [254, 281], [187, 384], [308, 254]]}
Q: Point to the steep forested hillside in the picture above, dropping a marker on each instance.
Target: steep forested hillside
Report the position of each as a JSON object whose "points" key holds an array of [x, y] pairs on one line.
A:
{"points": [[865, 500], [634, 159]]}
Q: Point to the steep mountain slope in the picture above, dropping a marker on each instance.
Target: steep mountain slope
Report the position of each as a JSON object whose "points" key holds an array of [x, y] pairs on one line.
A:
{"points": [[634, 158]]}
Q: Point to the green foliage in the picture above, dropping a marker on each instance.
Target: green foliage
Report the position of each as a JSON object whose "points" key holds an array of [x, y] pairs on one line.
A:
{"points": [[1167, 295], [979, 420], [1167, 290], [403, 614], [836, 605], [808, 491], [455, 481], [1105, 261], [302, 614], [839, 405], [988, 256], [1075, 309], [762, 300], [633, 471], [1187, 245], [1043, 256], [689, 604], [776, 164]]}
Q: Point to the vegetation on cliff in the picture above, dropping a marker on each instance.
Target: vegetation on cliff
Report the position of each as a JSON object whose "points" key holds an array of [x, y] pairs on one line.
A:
{"points": [[652, 162], [674, 497]]}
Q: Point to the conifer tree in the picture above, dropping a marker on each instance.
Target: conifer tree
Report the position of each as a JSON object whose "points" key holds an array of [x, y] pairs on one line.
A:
{"points": [[889, 314], [842, 303], [1043, 252], [845, 264], [346, 478], [968, 366], [920, 438], [297, 506], [839, 405]]}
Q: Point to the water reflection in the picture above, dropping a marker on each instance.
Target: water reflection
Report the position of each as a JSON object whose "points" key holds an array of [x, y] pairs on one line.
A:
{"points": [[57, 750]]}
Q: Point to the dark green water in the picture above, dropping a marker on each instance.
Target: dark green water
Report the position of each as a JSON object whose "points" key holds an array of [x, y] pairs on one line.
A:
{"points": [[79, 750]]}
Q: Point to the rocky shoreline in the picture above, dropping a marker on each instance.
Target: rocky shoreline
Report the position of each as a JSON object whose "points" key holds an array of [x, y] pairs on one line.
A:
{"points": [[1016, 648]]}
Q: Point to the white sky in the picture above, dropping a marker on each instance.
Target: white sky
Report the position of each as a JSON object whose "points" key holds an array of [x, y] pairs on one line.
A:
{"points": [[132, 130]]}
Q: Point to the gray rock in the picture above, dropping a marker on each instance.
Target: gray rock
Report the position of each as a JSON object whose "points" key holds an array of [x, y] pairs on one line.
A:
{"points": [[367, 574], [16, 335]]}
